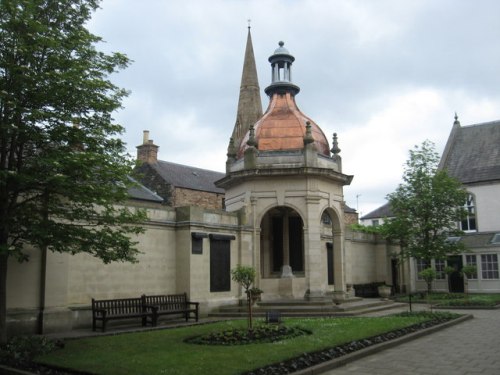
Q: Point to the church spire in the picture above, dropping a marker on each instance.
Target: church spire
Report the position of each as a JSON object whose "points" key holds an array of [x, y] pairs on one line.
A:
{"points": [[249, 103]]}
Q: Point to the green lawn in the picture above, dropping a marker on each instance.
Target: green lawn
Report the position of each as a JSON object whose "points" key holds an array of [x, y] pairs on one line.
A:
{"points": [[455, 299], [165, 352]]}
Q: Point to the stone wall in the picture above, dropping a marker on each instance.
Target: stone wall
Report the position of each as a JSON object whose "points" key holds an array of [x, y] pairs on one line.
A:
{"points": [[188, 197], [166, 265]]}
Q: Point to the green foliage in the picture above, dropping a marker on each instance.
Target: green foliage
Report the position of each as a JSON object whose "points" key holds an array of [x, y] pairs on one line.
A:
{"points": [[456, 299], [167, 349], [243, 275], [449, 270], [426, 207], [21, 350], [63, 168], [366, 228], [255, 291], [260, 334], [469, 270], [429, 275], [431, 315]]}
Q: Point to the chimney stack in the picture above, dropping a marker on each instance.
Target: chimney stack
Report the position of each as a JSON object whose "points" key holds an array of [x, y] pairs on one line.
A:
{"points": [[148, 151]]}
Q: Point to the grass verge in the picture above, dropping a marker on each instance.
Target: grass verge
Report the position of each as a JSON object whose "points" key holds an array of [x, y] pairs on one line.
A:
{"points": [[166, 352], [455, 299]]}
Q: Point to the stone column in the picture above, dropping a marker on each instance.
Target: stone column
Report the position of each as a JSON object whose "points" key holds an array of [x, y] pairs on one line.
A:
{"points": [[339, 271], [315, 262], [286, 270]]}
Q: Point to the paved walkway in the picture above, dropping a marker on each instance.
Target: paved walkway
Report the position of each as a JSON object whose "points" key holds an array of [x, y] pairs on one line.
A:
{"points": [[471, 347]]}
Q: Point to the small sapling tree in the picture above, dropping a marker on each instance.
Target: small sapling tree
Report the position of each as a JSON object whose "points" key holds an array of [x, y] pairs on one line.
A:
{"points": [[429, 275], [245, 276], [468, 271]]}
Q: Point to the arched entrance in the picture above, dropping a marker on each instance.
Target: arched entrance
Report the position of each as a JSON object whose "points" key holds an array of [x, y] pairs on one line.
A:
{"points": [[282, 243], [334, 256]]}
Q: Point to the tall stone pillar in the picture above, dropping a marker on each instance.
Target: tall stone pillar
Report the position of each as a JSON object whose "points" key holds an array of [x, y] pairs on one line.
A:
{"points": [[286, 270], [339, 277], [315, 264]]}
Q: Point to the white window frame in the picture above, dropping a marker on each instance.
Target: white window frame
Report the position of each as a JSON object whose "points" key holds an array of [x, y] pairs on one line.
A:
{"points": [[489, 267], [439, 265], [420, 265], [471, 260], [469, 223]]}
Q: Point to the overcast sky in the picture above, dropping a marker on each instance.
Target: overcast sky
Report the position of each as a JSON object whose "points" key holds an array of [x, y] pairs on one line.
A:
{"points": [[384, 75]]}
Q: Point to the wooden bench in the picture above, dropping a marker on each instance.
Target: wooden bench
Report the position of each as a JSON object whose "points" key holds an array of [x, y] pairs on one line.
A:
{"points": [[123, 308], [171, 304]]}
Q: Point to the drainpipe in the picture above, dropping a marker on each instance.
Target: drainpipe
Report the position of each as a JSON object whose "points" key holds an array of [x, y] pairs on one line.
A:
{"points": [[41, 304], [43, 264]]}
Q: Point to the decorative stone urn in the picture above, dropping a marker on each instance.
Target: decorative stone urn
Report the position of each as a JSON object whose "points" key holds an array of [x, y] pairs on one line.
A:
{"points": [[255, 295], [384, 291]]}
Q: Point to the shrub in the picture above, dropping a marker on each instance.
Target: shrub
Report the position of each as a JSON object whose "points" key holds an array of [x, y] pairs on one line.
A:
{"points": [[22, 349]]}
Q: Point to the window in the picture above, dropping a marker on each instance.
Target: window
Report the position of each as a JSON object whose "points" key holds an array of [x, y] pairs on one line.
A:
{"points": [[468, 224], [326, 219], [471, 260], [496, 239], [421, 265], [197, 242], [329, 260], [375, 223], [440, 274], [489, 266]]}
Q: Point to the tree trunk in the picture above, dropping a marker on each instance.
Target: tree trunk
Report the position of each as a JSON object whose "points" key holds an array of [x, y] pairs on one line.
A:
{"points": [[250, 325], [3, 298]]}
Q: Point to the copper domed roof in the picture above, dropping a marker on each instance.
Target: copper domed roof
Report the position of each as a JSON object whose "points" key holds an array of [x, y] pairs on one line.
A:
{"points": [[283, 127]]}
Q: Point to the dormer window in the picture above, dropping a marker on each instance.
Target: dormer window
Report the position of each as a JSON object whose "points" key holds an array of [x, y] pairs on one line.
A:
{"points": [[468, 224]]}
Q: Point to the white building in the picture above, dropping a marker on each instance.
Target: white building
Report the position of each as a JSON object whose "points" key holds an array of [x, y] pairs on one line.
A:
{"points": [[472, 155]]}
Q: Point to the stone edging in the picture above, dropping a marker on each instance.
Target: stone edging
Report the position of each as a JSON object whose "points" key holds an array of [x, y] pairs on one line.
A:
{"points": [[341, 361]]}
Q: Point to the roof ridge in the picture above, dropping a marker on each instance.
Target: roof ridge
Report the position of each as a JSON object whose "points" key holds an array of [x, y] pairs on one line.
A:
{"points": [[189, 166], [482, 124]]}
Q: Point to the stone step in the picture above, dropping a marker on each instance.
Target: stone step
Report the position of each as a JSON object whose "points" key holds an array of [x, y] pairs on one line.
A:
{"points": [[359, 307]]}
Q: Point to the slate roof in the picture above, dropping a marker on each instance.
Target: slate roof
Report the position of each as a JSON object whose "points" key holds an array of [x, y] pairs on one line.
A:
{"points": [[141, 192], [382, 211], [475, 240], [349, 210], [188, 177], [472, 153]]}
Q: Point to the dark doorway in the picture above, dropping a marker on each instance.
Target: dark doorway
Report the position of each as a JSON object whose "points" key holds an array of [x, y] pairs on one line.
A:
{"points": [[295, 232], [220, 265], [329, 261], [395, 275], [277, 240], [455, 281], [281, 241]]}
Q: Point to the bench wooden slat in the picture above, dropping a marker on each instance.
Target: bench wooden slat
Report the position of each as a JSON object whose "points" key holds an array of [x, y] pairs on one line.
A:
{"points": [[146, 307], [124, 308], [168, 304]]}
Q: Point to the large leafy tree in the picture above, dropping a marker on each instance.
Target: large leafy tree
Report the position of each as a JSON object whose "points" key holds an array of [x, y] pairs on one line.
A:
{"points": [[63, 169], [426, 207]]}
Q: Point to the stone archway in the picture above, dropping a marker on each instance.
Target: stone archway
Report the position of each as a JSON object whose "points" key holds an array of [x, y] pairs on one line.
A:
{"points": [[334, 254], [282, 243]]}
